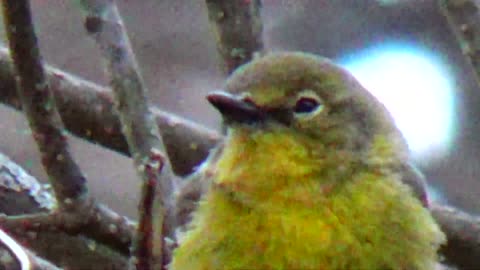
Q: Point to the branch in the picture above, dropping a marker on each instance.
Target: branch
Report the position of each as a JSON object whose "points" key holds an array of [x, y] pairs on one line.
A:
{"points": [[30, 206], [86, 111], [238, 29], [16, 252], [25, 260], [463, 16], [39, 106], [102, 225], [76, 206], [463, 236], [156, 220]]}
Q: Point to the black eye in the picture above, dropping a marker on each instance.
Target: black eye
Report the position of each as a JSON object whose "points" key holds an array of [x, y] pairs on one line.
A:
{"points": [[306, 105]]}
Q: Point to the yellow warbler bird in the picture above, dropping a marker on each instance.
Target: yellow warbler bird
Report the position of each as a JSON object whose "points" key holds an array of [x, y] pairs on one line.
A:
{"points": [[313, 174]]}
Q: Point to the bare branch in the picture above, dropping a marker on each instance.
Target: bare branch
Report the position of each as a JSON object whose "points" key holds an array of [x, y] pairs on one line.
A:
{"points": [[463, 236], [18, 186], [86, 110], [238, 29], [463, 16], [34, 205], [16, 250], [156, 220], [103, 225], [39, 263], [76, 206], [39, 106], [110, 228], [33, 222], [25, 259]]}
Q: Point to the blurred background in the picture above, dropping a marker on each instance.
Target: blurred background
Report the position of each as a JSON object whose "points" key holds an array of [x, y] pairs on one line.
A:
{"points": [[402, 51]]}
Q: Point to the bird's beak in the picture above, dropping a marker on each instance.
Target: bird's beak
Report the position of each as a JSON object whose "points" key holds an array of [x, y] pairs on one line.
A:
{"points": [[234, 109]]}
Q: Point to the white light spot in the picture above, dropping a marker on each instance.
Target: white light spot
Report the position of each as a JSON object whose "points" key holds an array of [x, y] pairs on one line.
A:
{"points": [[416, 89]]}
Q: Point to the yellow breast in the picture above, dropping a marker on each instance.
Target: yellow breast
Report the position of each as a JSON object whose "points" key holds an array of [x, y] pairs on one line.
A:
{"points": [[278, 204]]}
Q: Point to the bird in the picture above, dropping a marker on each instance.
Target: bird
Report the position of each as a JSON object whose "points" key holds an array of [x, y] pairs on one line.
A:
{"points": [[313, 174]]}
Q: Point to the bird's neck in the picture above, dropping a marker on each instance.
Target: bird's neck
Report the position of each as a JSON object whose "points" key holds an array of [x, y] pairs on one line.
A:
{"points": [[256, 165]]}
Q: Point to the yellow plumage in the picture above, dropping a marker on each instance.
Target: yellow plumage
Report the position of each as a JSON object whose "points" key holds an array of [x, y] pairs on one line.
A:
{"points": [[283, 197]]}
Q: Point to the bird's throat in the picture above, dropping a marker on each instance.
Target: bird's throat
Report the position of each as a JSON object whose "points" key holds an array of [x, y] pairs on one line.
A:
{"points": [[262, 164]]}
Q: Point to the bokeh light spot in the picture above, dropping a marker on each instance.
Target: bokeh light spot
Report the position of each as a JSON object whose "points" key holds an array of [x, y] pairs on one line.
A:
{"points": [[416, 88]]}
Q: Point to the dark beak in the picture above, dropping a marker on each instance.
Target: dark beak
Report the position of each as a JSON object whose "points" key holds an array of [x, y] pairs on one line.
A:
{"points": [[234, 109]]}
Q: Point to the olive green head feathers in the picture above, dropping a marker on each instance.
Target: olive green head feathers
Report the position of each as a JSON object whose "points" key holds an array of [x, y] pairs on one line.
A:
{"points": [[320, 101], [310, 94]]}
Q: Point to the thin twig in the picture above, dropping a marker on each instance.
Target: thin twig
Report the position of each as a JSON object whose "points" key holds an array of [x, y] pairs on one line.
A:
{"points": [[39, 106], [238, 29], [463, 16], [104, 24]]}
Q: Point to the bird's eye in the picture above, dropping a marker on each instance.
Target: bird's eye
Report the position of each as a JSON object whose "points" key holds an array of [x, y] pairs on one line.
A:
{"points": [[306, 105]]}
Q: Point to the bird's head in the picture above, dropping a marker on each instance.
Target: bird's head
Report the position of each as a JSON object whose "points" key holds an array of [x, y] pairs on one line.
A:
{"points": [[295, 114], [307, 95]]}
